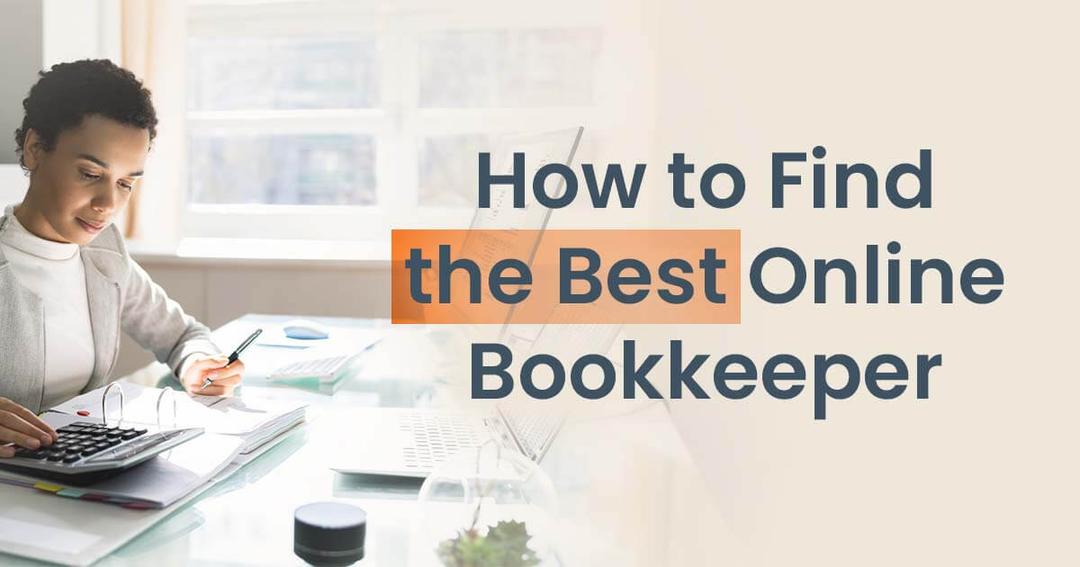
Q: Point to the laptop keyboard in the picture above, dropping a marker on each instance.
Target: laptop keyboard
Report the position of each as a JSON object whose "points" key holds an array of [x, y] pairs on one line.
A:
{"points": [[435, 438], [81, 440], [533, 431], [319, 367]]}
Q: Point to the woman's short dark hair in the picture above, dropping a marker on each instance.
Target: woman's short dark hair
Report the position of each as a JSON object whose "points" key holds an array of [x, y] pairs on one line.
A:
{"points": [[69, 92]]}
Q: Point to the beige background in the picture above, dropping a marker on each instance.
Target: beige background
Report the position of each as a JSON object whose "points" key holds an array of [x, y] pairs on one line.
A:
{"points": [[984, 472]]}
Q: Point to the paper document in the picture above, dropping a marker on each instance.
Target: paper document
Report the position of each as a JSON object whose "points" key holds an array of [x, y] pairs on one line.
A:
{"points": [[224, 415]]}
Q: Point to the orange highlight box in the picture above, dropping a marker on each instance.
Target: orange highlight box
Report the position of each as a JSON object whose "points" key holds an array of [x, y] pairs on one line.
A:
{"points": [[673, 262]]}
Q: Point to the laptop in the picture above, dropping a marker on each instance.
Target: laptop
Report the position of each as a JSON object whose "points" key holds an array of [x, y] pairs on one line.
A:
{"points": [[413, 442]]}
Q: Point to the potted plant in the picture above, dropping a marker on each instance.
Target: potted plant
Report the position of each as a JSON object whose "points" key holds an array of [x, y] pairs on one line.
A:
{"points": [[506, 544]]}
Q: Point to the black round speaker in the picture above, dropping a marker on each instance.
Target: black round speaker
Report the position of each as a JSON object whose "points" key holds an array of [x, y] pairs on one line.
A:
{"points": [[329, 533]]}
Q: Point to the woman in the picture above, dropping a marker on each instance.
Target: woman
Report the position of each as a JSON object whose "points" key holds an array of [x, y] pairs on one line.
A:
{"points": [[67, 284]]}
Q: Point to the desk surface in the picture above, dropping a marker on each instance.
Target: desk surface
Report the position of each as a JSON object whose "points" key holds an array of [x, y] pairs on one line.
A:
{"points": [[633, 499]]}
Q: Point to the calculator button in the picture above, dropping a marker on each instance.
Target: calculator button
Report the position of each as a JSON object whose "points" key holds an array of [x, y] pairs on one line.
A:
{"points": [[55, 456], [72, 458]]}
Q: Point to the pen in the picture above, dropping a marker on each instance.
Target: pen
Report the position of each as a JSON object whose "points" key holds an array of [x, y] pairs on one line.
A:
{"points": [[235, 354]]}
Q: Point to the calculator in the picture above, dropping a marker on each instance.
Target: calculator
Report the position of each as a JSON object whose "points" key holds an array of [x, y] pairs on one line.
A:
{"points": [[88, 451]]}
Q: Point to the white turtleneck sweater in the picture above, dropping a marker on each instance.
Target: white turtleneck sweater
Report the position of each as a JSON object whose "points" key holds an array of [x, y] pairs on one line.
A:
{"points": [[54, 272]]}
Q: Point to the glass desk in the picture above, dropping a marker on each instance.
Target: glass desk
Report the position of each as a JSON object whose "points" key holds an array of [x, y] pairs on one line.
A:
{"points": [[628, 494]]}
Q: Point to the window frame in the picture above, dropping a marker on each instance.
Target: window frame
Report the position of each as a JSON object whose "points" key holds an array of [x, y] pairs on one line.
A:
{"points": [[398, 124]]}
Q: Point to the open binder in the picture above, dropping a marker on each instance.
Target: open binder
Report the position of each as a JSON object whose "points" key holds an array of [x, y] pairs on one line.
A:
{"points": [[254, 423], [236, 432]]}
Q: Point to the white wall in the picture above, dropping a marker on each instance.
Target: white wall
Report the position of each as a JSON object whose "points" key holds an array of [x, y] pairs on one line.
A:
{"points": [[88, 29], [12, 182], [36, 34], [20, 60]]}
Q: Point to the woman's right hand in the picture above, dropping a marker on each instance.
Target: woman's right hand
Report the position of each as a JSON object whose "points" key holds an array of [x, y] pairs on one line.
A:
{"points": [[20, 426]]}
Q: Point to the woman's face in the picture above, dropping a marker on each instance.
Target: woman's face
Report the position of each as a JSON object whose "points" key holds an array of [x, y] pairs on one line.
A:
{"points": [[77, 188]]}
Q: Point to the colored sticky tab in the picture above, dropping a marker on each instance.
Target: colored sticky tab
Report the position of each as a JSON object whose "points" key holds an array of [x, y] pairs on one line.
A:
{"points": [[71, 493], [48, 487]]}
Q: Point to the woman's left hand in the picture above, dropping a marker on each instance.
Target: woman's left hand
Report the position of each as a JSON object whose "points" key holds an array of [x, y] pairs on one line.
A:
{"points": [[225, 378]]}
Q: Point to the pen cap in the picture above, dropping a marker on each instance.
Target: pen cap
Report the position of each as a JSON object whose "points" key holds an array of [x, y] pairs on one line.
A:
{"points": [[329, 533]]}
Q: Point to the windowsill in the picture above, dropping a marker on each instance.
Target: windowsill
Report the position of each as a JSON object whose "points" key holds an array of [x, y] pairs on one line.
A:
{"points": [[262, 252]]}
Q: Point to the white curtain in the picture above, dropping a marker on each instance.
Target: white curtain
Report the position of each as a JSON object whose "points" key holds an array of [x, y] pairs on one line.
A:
{"points": [[152, 45]]}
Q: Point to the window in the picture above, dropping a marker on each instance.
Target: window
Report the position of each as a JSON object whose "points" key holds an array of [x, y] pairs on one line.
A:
{"points": [[338, 120]]}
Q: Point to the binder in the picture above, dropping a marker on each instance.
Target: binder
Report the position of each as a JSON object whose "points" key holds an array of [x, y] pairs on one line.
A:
{"points": [[255, 422], [157, 483], [237, 432]]}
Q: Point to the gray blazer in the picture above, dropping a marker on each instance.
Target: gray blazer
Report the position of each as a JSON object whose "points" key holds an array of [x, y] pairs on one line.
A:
{"points": [[121, 296]]}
